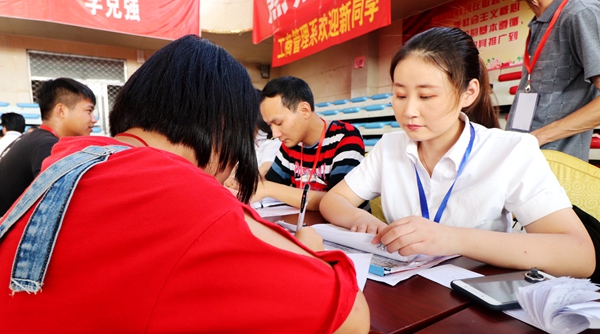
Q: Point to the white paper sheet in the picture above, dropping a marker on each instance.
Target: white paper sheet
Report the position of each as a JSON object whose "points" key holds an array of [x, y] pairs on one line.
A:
{"points": [[358, 240], [396, 278], [361, 264], [446, 273], [591, 310], [274, 211], [561, 305]]}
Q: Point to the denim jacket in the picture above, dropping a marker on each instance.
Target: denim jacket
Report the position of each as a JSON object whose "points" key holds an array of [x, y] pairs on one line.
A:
{"points": [[55, 186]]}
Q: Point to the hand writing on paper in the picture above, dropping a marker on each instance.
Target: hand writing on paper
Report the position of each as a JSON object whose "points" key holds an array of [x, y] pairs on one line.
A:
{"points": [[368, 224], [309, 237], [416, 235]]}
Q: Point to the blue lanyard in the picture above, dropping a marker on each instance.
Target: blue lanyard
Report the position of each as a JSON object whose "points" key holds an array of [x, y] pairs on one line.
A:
{"points": [[423, 199]]}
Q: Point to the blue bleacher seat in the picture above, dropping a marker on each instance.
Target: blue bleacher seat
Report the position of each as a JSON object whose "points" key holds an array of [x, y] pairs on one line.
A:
{"points": [[96, 129], [375, 125], [376, 107], [381, 96], [28, 105], [30, 116], [322, 104], [339, 102], [4, 104], [350, 110], [394, 124], [359, 99], [358, 125], [329, 112]]}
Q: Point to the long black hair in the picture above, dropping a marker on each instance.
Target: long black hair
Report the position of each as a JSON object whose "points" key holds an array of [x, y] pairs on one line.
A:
{"points": [[196, 94]]}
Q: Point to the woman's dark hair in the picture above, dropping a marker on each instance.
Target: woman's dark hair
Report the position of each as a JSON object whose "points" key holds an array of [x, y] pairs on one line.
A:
{"points": [[292, 91], [62, 90], [260, 122], [453, 51], [195, 94], [264, 127]]}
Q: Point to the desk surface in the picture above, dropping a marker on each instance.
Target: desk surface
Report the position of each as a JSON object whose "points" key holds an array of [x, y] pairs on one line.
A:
{"points": [[418, 304], [475, 318]]}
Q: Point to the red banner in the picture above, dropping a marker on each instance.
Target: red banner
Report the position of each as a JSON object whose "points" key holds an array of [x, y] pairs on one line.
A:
{"points": [[304, 28], [499, 28], [167, 19]]}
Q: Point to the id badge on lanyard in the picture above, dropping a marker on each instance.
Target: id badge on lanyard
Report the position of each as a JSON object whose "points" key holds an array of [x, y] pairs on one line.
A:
{"points": [[524, 110], [526, 101]]}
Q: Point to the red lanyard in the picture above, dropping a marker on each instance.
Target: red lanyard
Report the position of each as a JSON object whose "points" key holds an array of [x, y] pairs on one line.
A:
{"points": [[49, 129], [529, 65], [314, 167], [127, 134]]}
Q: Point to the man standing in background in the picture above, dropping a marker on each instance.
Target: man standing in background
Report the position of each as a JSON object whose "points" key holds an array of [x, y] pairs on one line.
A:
{"points": [[67, 108], [13, 126], [558, 94]]}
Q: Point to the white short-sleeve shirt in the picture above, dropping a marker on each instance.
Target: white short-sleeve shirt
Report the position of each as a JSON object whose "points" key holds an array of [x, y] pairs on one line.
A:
{"points": [[8, 138], [506, 173], [266, 149]]}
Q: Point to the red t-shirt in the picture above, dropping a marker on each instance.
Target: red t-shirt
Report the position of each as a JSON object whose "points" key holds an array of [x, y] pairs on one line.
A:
{"points": [[150, 243]]}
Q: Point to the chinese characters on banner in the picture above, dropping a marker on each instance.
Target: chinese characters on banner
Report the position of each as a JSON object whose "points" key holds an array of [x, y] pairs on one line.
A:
{"points": [[304, 27], [271, 15], [132, 8], [167, 19], [498, 27]]}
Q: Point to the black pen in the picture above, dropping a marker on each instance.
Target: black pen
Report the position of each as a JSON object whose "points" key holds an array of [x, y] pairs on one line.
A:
{"points": [[275, 205], [302, 207]]}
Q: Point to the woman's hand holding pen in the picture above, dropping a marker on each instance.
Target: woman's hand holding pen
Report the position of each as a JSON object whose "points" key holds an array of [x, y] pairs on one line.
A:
{"points": [[417, 235], [309, 237]]}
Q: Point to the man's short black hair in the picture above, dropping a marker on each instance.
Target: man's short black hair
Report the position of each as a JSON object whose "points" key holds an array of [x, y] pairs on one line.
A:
{"points": [[196, 94], [62, 90], [292, 91], [13, 122]]}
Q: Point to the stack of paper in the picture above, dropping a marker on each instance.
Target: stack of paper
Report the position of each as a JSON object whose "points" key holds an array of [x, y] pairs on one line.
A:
{"points": [[389, 268], [561, 305], [357, 240]]}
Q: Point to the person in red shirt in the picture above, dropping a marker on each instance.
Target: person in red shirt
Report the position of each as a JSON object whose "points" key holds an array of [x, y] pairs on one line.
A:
{"points": [[67, 109], [152, 242]]}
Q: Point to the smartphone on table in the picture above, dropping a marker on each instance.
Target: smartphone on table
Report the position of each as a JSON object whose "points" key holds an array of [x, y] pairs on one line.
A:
{"points": [[498, 292]]}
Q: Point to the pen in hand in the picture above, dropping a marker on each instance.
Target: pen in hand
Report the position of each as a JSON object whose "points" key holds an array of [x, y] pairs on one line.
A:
{"points": [[302, 207]]}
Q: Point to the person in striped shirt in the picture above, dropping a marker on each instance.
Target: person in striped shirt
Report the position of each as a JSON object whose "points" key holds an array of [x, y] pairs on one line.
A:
{"points": [[313, 150]]}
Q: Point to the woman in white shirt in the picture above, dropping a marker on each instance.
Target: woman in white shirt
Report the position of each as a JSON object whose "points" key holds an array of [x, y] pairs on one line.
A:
{"points": [[444, 173], [266, 146]]}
